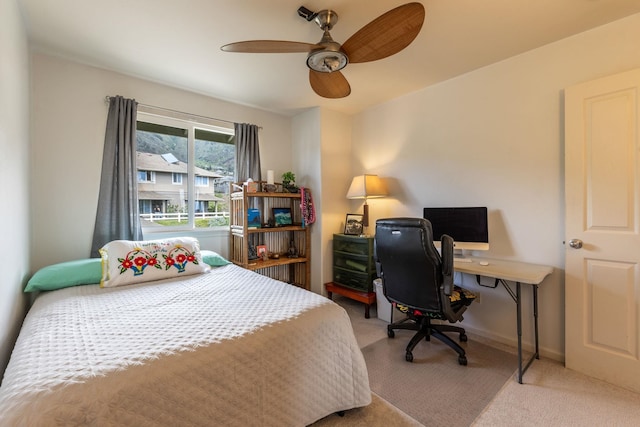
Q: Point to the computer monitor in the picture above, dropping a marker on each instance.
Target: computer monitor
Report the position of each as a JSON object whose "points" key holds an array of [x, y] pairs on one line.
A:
{"points": [[467, 225]]}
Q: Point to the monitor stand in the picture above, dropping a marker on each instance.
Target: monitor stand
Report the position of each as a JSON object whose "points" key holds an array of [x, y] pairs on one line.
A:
{"points": [[458, 255]]}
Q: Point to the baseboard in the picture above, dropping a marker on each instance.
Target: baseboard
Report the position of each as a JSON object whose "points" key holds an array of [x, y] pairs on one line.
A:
{"points": [[509, 344]]}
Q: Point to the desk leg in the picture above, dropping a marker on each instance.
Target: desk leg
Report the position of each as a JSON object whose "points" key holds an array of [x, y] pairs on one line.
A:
{"points": [[517, 297], [519, 323], [535, 318], [536, 354]]}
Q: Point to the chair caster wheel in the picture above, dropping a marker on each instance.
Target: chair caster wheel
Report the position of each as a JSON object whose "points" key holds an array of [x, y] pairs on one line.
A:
{"points": [[463, 337], [462, 360], [408, 357], [390, 333]]}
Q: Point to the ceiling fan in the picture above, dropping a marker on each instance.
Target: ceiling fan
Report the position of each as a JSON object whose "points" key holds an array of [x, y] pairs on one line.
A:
{"points": [[384, 36]]}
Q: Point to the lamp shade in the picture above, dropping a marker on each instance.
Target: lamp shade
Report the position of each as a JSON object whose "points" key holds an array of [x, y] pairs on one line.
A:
{"points": [[366, 187]]}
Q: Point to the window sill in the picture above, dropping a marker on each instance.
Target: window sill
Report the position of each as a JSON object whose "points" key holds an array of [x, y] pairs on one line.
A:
{"points": [[156, 233]]}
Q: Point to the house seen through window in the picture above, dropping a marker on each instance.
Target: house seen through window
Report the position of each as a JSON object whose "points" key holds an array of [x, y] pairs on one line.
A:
{"points": [[184, 170]]}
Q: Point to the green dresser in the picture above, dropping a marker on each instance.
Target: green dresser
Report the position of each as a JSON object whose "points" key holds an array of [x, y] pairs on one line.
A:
{"points": [[353, 264]]}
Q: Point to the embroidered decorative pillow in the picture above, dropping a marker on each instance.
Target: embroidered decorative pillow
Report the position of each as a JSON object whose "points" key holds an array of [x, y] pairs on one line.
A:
{"points": [[125, 262]]}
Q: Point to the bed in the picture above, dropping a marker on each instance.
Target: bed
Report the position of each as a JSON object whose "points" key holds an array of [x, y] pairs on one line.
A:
{"points": [[225, 346]]}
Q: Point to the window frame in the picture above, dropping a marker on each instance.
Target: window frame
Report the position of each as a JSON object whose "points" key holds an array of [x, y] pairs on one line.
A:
{"points": [[176, 178], [149, 174], [201, 178], [189, 123]]}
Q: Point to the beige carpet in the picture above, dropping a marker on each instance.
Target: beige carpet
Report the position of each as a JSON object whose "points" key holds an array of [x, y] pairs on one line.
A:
{"points": [[551, 395], [434, 364], [378, 414], [434, 389]]}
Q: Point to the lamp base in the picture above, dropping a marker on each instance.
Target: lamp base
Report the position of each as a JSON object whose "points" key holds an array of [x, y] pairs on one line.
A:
{"points": [[365, 214]]}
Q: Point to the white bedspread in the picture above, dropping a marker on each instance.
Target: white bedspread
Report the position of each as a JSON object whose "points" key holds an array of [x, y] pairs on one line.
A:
{"points": [[230, 348]]}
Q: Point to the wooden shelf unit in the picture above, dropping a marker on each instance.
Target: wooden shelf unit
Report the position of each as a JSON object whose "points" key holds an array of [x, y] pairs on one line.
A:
{"points": [[278, 240]]}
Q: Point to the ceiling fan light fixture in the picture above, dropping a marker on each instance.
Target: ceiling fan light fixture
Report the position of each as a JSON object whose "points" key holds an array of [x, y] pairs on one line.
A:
{"points": [[326, 61]]}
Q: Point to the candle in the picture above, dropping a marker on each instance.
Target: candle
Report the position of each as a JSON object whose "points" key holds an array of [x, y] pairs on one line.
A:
{"points": [[269, 177]]}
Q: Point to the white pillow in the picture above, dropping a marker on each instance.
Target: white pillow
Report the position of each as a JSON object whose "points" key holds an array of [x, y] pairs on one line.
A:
{"points": [[125, 262]]}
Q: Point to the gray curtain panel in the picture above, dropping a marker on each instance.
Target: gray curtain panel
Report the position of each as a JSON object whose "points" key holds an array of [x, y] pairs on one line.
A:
{"points": [[247, 152], [118, 216]]}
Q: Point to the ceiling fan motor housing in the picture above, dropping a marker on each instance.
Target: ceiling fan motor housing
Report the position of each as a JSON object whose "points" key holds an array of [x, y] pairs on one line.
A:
{"points": [[326, 19], [330, 58]]}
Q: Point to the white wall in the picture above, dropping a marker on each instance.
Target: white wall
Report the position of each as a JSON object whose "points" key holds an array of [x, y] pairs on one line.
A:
{"points": [[306, 132], [68, 122], [322, 160], [494, 137], [336, 178], [14, 168]]}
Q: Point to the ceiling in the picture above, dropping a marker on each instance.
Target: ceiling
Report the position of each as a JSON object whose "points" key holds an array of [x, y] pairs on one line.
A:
{"points": [[177, 43]]}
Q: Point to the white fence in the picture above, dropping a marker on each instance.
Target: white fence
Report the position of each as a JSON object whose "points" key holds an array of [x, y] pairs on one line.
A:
{"points": [[182, 216]]}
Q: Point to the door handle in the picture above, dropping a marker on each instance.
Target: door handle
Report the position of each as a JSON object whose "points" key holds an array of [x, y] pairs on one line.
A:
{"points": [[575, 243]]}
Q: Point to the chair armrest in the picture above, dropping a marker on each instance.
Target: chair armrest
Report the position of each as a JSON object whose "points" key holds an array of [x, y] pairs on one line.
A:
{"points": [[447, 264], [447, 285]]}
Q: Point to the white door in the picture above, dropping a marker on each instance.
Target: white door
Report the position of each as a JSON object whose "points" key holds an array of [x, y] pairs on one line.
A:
{"points": [[602, 185]]}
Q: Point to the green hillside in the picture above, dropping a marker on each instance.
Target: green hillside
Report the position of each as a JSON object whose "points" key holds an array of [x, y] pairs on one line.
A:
{"points": [[213, 156]]}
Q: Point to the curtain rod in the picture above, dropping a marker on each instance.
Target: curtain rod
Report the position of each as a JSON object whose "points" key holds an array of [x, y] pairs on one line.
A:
{"points": [[107, 98]]}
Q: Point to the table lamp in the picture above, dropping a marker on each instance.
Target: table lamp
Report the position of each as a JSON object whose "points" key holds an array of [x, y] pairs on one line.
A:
{"points": [[366, 187]]}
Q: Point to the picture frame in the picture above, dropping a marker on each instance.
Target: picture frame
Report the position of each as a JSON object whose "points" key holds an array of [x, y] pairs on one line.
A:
{"points": [[282, 216], [353, 224], [261, 251], [253, 218]]}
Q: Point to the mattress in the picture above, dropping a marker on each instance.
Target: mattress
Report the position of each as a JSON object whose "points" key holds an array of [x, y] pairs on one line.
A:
{"points": [[229, 347]]}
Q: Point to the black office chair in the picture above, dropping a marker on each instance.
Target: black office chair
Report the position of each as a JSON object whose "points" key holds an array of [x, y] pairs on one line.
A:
{"points": [[418, 281]]}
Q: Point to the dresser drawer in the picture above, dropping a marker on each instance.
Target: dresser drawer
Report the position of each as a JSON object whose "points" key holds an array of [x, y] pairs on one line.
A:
{"points": [[353, 245], [359, 263], [362, 281]]}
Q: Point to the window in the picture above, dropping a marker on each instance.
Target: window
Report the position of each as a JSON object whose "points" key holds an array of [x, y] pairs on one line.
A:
{"points": [[146, 176], [184, 168], [202, 181]]}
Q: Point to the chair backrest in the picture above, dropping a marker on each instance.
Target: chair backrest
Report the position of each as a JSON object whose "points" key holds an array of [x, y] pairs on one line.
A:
{"points": [[410, 266]]}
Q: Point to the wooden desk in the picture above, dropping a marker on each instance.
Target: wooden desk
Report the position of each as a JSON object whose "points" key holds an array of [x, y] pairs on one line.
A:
{"points": [[367, 298], [504, 271]]}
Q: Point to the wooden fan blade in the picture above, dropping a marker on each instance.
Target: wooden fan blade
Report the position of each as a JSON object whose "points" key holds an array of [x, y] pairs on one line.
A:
{"points": [[329, 85], [269, 46], [386, 35]]}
